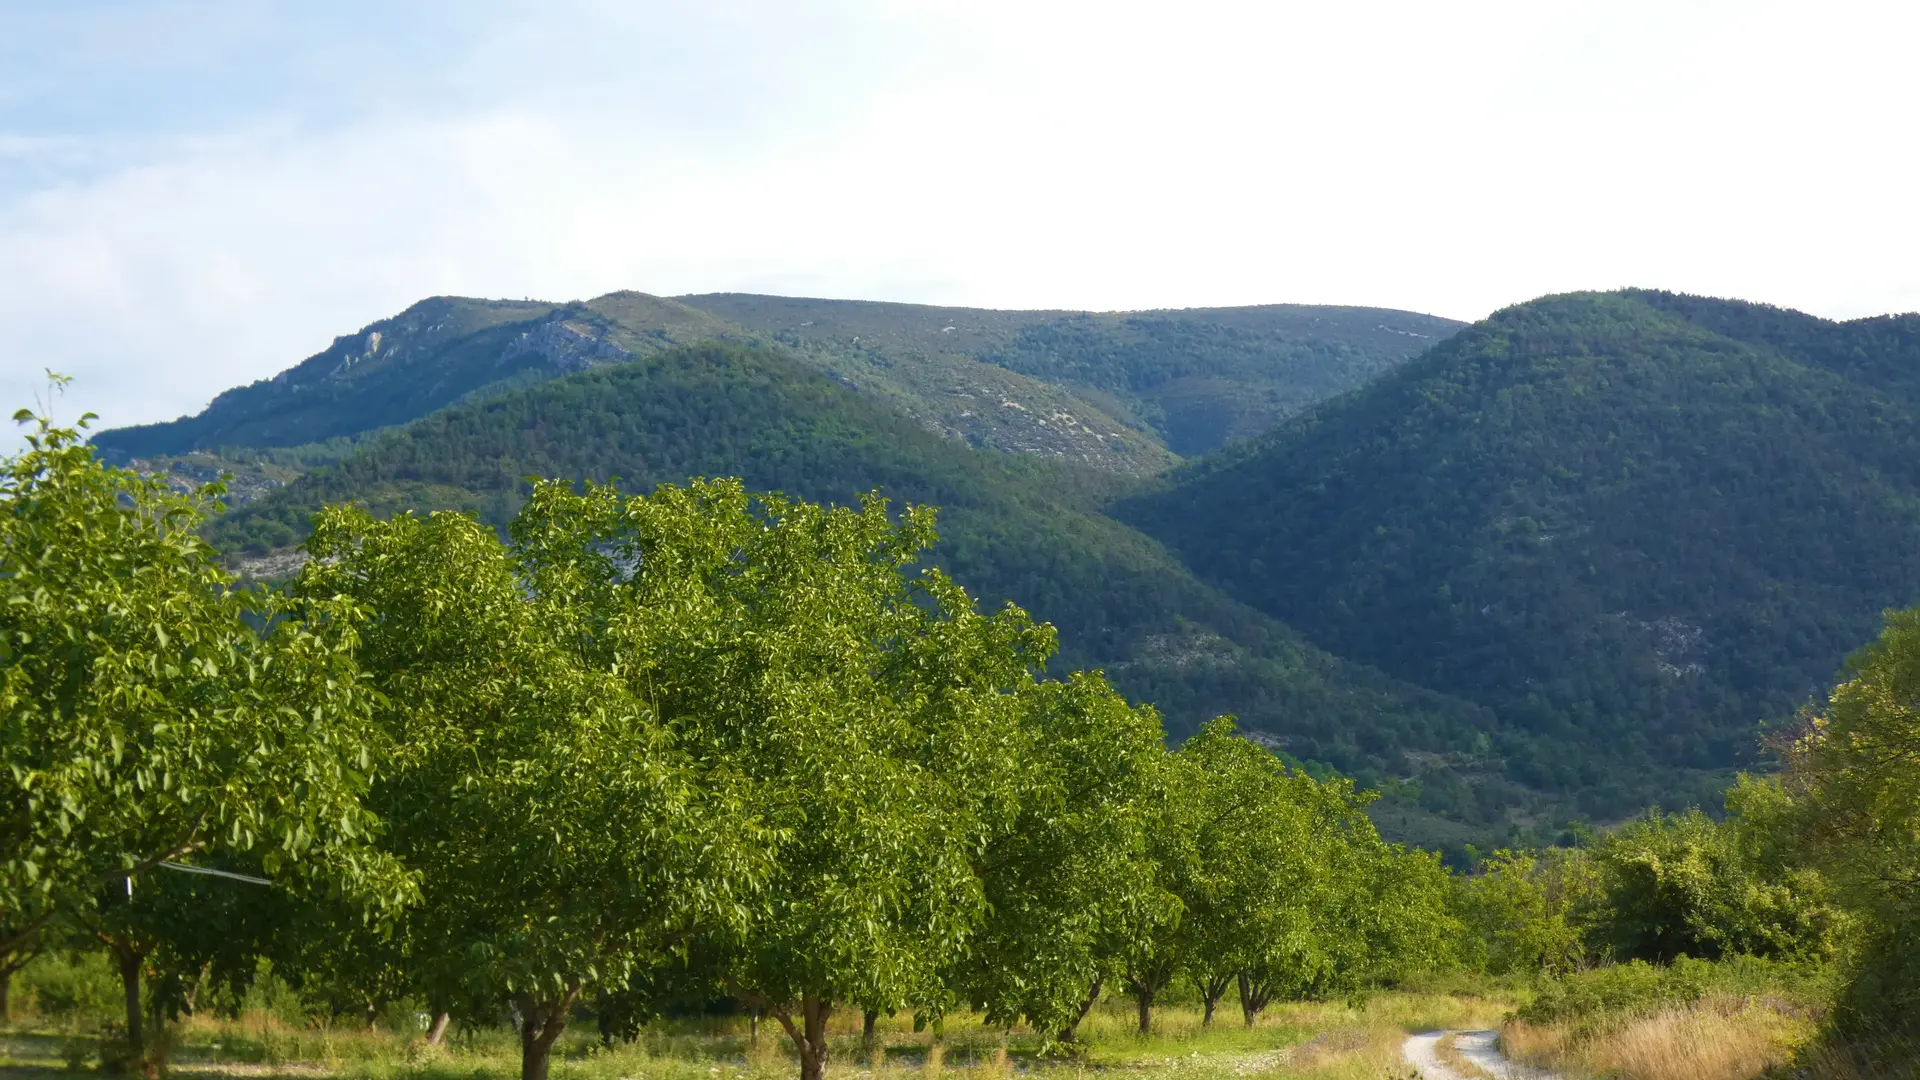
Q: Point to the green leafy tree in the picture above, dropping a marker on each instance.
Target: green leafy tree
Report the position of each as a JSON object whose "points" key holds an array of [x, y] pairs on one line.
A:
{"points": [[1070, 883], [870, 716], [1159, 949], [148, 720], [1281, 885], [1855, 773], [1401, 918], [1522, 910], [1258, 876], [1372, 913], [1858, 766], [1684, 885], [566, 842]]}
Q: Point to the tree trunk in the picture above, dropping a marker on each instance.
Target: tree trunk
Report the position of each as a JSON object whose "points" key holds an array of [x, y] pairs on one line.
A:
{"points": [[810, 1035], [541, 1022], [1253, 998], [1212, 989], [1145, 983], [867, 1020], [191, 996], [813, 1057], [1072, 1031], [439, 1029], [130, 986], [8, 970]]}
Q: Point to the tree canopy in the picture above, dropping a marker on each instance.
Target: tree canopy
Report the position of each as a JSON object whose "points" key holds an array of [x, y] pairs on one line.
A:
{"points": [[149, 718]]}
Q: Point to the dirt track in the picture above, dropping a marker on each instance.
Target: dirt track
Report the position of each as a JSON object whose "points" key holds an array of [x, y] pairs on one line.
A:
{"points": [[1479, 1048]]}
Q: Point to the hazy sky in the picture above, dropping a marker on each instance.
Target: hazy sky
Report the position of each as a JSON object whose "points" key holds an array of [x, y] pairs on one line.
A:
{"points": [[200, 193]]}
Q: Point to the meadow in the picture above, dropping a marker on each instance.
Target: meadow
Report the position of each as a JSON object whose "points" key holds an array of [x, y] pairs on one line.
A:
{"points": [[266, 1037]]}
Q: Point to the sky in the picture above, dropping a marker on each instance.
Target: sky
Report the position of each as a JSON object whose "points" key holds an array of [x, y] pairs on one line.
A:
{"points": [[198, 194]]}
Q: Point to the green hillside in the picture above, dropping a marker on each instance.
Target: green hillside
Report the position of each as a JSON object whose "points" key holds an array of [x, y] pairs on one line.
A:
{"points": [[431, 355], [1193, 378], [1014, 527], [1568, 560], [1113, 392], [1634, 525]]}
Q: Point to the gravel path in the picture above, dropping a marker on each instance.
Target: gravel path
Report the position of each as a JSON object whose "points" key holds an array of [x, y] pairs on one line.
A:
{"points": [[1481, 1048]]}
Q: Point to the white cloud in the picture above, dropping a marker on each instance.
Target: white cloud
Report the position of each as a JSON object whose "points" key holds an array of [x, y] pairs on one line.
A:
{"points": [[1445, 158]]}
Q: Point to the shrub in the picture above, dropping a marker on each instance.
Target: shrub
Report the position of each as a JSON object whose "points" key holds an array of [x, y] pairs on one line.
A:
{"points": [[1638, 988], [70, 988], [1685, 885]]}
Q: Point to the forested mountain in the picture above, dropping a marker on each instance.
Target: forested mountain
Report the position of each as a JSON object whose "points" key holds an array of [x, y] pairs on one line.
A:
{"points": [[1115, 391], [1566, 561], [1634, 525], [1193, 378], [1013, 527], [436, 352]]}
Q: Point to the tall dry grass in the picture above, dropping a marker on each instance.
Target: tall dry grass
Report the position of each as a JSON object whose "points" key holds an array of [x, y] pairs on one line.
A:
{"points": [[1887, 1058], [1294, 1041], [1450, 1056], [1716, 1038]]}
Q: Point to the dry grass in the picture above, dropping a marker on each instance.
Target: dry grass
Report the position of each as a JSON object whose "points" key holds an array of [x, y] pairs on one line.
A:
{"points": [[1304, 1041], [1891, 1058], [1714, 1039], [1450, 1056]]}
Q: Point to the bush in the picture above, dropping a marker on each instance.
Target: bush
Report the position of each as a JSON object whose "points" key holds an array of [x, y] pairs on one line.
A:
{"points": [[1685, 885], [1520, 908], [1881, 1002], [1638, 988], [71, 989]]}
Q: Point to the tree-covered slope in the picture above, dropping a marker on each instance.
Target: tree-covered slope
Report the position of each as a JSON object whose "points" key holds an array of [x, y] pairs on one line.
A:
{"points": [[1194, 378], [1635, 525], [1013, 527], [428, 356], [1114, 392]]}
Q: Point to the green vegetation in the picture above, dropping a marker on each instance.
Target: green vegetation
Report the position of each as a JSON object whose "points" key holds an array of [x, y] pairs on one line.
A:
{"points": [[148, 722], [1678, 946], [653, 760], [1193, 379], [1656, 889], [266, 1032], [1634, 526], [1565, 565], [1114, 392], [644, 753], [1014, 528], [391, 372], [1856, 777]]}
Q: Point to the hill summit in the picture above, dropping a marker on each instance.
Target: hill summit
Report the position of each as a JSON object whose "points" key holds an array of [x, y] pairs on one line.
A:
{"points": [[1124, 392], [1637, 524]]}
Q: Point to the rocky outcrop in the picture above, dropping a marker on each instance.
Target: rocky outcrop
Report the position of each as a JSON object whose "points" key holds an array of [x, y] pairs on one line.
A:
{"points": [[564, 345]]}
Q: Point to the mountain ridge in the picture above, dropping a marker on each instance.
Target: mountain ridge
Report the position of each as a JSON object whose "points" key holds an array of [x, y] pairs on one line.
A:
{"points": [[1015, 528], [1597, 514], [445, 349], [1565, 562]]}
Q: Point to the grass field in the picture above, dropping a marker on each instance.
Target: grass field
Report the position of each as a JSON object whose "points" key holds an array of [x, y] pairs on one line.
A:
{"points": [[1330, 1041]]}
